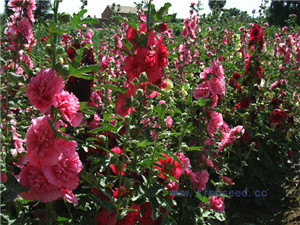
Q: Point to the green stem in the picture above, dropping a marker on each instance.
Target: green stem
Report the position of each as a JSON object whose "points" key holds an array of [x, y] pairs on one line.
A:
{"points": [[54, 40]]}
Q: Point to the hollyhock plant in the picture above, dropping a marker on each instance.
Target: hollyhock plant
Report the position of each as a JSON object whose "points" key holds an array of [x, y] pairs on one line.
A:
{"points": [[68, 105], [42, 89]]}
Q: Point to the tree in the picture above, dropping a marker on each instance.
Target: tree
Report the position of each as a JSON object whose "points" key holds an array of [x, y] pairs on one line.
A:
{"points": [[279, 12], [213, 4], [42, 8]]}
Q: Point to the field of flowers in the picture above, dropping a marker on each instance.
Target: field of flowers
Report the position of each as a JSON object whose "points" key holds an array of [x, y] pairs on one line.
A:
{"points": [[149, 120]]}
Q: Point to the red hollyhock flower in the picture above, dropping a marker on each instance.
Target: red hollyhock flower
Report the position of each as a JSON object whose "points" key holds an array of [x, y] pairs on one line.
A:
{"points": [[168, 167], [275, 102], [122, 103], [72, 51], [147, 218], [277, 116], [236, 76], [143, 60], [245, 103], [162, 27], [131, 34], [256, 36]]}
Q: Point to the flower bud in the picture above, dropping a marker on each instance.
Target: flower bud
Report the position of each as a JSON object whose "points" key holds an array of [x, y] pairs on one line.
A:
{"points": [[102, 138], [135, 81], [143, 77], [127, 119], [140, 92]]}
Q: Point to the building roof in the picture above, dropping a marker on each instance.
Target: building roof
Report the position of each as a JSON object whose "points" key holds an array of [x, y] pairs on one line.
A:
{"points": [[125, 9]]}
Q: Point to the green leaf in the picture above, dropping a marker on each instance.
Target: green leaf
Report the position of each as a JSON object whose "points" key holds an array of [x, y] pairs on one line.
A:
{"points": [[195, 148], [130, 23], [16, 77], [13, 188], [163, 10], [202, 102], [128, 45], [106, 127], [52, 28], [76, 20], [81, 72]]}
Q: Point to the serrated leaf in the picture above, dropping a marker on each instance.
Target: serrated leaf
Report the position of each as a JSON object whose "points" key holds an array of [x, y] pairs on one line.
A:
{"points": [[202, 102], [81, 72], [163, 10]]}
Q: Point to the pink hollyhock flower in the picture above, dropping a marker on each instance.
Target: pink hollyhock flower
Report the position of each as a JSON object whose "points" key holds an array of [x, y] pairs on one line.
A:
{"points": [[42, 147], [25, 28], [68, 195], [169, 121], [216, 86], [39, 187], [199, 179], [216, 119], [236, 132], [172, 185], [117, 150], [68, 105], [227, 180], [18, 143], [42, 89], [64, 172], [25, 58], [214, 101], [217, 68], [184, 160], [202, 91], [217, 204]]}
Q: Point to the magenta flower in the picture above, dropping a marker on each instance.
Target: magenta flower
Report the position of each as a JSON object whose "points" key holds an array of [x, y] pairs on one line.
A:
{"points": [[216, 86], [64, 172], [25, 28], [42, 147], [42, 89], [39, 187], [68, 105], [202, 91], [217, 204]]}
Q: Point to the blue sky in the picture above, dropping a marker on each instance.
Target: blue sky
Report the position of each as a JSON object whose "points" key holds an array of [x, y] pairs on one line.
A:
{"points": [[181, 7]]}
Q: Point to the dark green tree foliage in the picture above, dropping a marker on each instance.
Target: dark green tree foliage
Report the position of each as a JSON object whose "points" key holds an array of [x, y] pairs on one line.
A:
{"points": [[43, 7], [214, 4], [280, 11]]}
